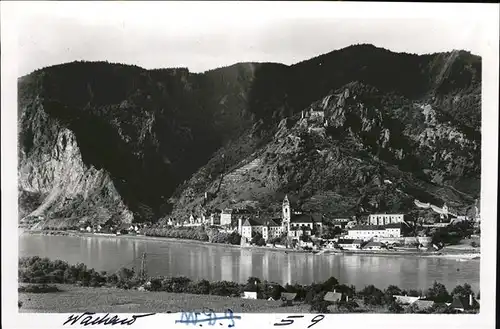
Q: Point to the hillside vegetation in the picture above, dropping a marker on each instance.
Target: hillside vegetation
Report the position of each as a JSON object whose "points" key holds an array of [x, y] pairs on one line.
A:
{"points": [[111, 141]]}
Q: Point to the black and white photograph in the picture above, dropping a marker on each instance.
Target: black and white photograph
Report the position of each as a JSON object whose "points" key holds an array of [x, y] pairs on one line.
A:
{"points": [[230, 158]]}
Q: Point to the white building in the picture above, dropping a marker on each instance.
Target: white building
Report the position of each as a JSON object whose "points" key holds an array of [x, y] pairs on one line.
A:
{"points": [[384, 219], [350, 244], [225, 217], [368, 232], [268, 228]]}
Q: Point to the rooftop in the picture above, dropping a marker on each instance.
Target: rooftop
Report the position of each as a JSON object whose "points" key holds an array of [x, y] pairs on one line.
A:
{"points": [[305, 218], [288, 295], [333, 296], [366, 228], [373, 244], [393, 225], [350, 241]]}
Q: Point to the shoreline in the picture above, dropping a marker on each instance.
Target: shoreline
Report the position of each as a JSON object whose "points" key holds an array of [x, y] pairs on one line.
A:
{"points": [[459, 255]]}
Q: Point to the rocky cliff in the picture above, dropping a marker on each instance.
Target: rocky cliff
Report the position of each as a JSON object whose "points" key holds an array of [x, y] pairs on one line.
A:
{"points": [[111, 141]]}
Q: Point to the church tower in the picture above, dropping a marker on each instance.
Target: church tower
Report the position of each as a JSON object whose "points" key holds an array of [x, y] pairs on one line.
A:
{"points": [[287, 213]]}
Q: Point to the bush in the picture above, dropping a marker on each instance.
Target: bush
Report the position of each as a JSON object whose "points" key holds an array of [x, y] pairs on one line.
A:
{"points": [[201, 287], [349, 305], [38, 289], [319, 305], [226, 288]]}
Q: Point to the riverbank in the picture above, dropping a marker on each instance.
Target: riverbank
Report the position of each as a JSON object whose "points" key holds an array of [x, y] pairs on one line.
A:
{"points": [[67, 288], [458, 254]]}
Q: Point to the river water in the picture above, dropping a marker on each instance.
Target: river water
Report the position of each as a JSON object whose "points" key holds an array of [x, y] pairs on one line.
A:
{"points": [[214, 262]]}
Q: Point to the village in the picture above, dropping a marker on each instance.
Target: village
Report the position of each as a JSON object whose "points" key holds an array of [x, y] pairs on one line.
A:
{"points": [[297, 230]]}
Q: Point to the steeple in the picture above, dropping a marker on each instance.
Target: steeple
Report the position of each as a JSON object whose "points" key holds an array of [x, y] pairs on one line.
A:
{"points": [[286, 213]]}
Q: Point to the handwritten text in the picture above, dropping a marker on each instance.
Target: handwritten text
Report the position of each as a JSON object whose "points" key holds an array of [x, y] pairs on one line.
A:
{"points": [[87, 319], [209, 317]]}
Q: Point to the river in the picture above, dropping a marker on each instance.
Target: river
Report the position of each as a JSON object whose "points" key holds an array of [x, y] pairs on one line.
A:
{"points": [[214, 262]]}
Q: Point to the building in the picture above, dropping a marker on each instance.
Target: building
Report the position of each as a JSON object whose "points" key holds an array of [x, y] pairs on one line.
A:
{"points": [[393, 230], [464, 303], [374, 246], [296, 223], [288, 298], [340, 222], [268, 228], [250, 294], [367, 232], [405, 300], [333, 297], [215, 218], [384, 219], [225, 217], [350, 244], [423, 304], [230, 217]]}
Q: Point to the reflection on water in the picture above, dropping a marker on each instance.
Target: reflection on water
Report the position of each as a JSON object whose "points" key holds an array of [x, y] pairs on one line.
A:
{"points": [[198, 261]]}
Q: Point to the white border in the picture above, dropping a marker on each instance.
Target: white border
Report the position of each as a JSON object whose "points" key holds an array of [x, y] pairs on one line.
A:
{"points": [[486, 14]]}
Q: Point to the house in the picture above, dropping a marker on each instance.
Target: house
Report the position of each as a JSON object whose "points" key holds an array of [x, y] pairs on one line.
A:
{"points": [[288, 298], [250, 295], [405, 300], [89, 229], [333, 297], [374, 246], [350, 244], [423, 304], [330, 244], [384, 219], [462, 304]]}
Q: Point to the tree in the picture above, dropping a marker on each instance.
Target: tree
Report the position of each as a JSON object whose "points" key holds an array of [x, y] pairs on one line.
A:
{"points": [[390, 292], [372, 295], [393, 290], [330, 284], [462, 291], [395, 307], [305, 238], [331, 232], [438, 293], [256, 237], [252, 284]]}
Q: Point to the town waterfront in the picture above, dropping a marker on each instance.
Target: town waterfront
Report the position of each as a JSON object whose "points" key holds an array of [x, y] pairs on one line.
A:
{"points": [[219, 262]]}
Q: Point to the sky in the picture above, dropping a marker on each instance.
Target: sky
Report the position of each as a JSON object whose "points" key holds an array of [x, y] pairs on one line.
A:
{"points": [[204, 36]]}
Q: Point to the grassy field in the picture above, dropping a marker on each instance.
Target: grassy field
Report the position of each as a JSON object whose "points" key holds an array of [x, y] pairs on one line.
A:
{"points": [[75, 299]]}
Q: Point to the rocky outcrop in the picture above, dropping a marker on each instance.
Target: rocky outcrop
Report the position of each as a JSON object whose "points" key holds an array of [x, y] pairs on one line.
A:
{"points": [[66, 186], [119, 142]]}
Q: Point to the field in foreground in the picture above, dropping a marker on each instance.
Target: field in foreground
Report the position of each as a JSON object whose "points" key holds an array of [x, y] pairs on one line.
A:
{"points": [[74, 299]]}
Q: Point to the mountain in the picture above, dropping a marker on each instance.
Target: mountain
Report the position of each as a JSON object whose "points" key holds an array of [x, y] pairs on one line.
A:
{"points": [[117, 142]]}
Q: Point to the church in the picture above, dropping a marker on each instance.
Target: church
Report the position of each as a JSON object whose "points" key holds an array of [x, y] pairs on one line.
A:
{"points": [[293, 223], [296, 223]]}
